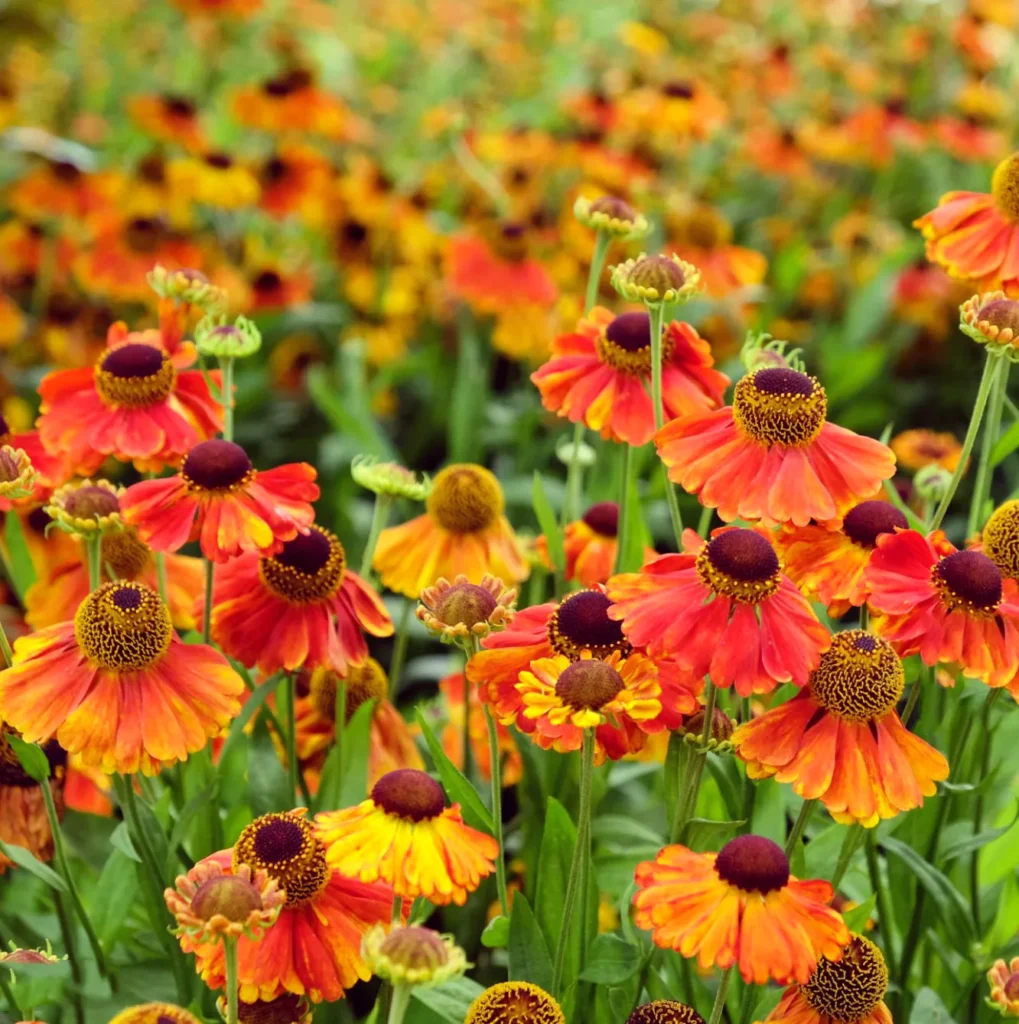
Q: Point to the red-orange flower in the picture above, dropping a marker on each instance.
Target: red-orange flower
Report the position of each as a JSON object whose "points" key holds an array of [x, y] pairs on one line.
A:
{"points": [[600, 375], [23, 818], [591, 545], [740, 907], [829, 565], [221, 500], [301, 608], [702, 236], [725, 609], [295, 180], [841, 740], [138, 403], [167, 118], [494, 275], [974, 236], [452, 688], [772, 456], [292, 103], [406, 836], [314, 946], [51, 470], [118, 686], [946, 605]]}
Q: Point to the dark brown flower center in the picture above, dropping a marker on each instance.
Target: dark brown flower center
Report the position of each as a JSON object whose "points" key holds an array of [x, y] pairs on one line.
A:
{"points": [[665, 1011], [267, 281], [630, 331], [216, 465], [178, 106], [868, 520], [753, 863], [310, 568], [285, 1009], [603, 518], [679, 90], [409, 793], [777, 405], [284, 845], [744, 555], [133, 360], [123, 627], [135, 376], [279, 840], [274, 170], [91, 502], [588, 684], [1001, 313], [144, 234], [972, 580], [848, 990], [780, 380], [228, 895], [221, 161], [581, 623], [859, 678]]}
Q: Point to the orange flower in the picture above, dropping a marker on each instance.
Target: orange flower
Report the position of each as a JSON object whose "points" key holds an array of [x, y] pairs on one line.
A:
{"points": [[292, 103], [591, 545], [1004, 981], [118, 686], [848, 991], [739, 907], [619, 698], [973, 234], [772, 456], [600, 375], [167, 118], [314, 947], [464, 532], [301, 608], [61, 585], [947, 606], [138, 403], [494, 275], [452, 689], [295, 179], [391, 746], [405, 836], [726, 610], [23, 818], [829, 565], [841, 741], [221, 500], [274, 289], [580, 625], [702, 236], [919, 447], [51, 470]]}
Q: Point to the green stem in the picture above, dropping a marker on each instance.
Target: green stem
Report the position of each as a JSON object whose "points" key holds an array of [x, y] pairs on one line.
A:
{"points": [[290, 695], [226, 366], [992, 427], [914, 696], [602, 241], [495, 762], [978, 807], [380, 516], [210, 571], [574, 478], [695, 769], [71, 948], [161, 575], [398, 1007], [849, 844], [5, 646], [723, 987], [577, 866], [704, 523], [397, 915], [676, 759], [399, 650], [64, 867], [230, 958], [798, 829], [656, 317], [864, 616], [94, 548], [334, 798], [624, 503], [990, 370], [12, 1003], [881, 895]]}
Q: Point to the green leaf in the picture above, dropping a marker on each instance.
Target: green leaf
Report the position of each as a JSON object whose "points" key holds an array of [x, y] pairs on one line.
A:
{"points": [[554, 860], [548, 523], [704, 834], [120, 839], [469, 396], [1007, 443], [449, 1002], [529, 958], [22, 570], [973, 843], [197, 803], [951, 905], [929, 1009], [636, 533], [347, 409], [114, 896], [458, 789], [610, 961], [496, 933], [354, 770], [268, 789], [857, 918], [31, 756], [24, 859], [251, 705]]}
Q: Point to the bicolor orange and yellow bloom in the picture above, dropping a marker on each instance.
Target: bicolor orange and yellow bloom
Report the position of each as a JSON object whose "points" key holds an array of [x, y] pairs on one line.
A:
{"points": [[740, 907], [464, 532], [301, 608], [950, 607], [221, 500], [118, 686], [772, 455], [725, 609], [600, 375], [406, 836], [841, 741]]}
